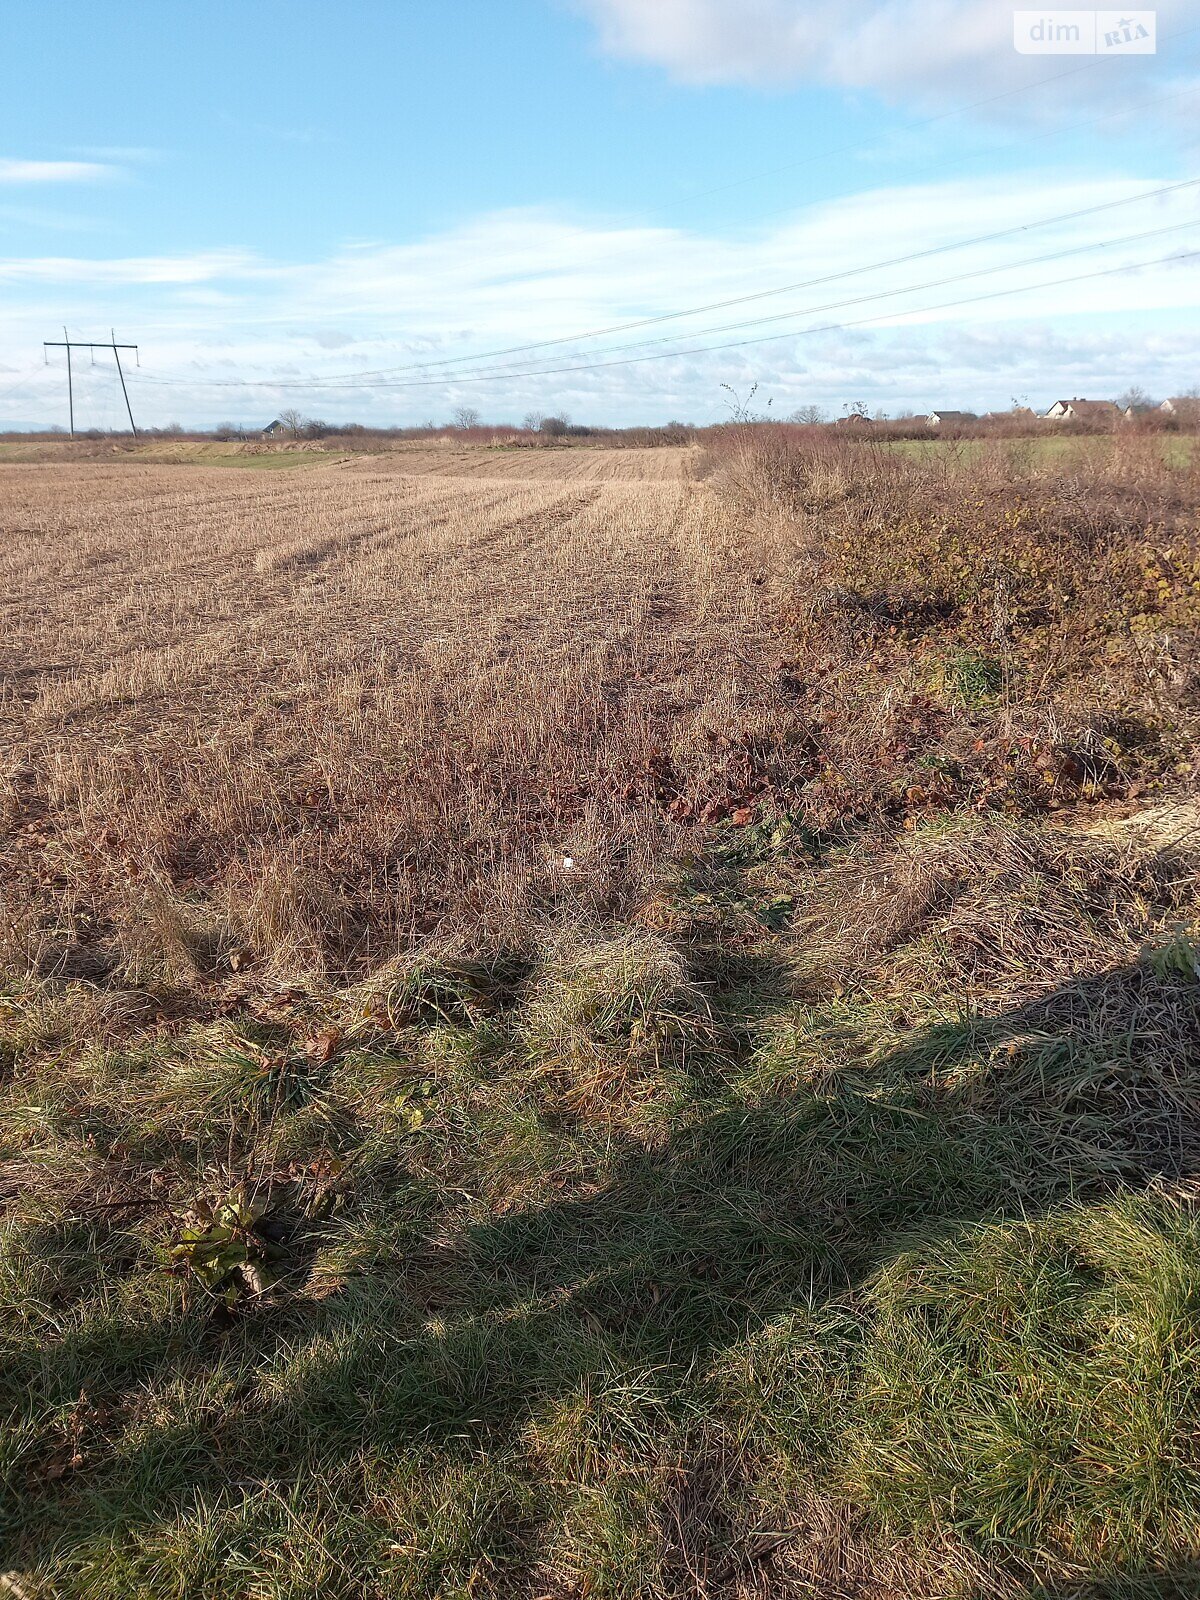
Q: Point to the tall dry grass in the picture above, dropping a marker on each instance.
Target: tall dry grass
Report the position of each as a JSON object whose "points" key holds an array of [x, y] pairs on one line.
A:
{"points": [[337, 714]]}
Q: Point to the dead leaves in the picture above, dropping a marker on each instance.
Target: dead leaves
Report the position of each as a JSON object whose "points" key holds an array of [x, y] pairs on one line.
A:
{"points": [[323, 1046], [218, 1244], [731, 790], [73, 1446]]}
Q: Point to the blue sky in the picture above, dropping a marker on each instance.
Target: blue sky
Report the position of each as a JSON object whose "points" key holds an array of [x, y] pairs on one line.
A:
{"points": [[272, 199]]}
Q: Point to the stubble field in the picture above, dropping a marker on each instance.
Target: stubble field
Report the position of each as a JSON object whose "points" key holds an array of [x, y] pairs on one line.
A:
{"points": [[601, 1022], [409, 694]]}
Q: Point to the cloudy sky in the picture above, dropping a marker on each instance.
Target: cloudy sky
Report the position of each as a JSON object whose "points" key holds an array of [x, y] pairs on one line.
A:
{"points": [[387, 209]]}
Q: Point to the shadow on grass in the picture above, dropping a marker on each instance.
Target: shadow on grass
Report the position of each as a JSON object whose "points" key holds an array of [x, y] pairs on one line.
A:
{"points": [[1160, 1583], [581, 1333]]}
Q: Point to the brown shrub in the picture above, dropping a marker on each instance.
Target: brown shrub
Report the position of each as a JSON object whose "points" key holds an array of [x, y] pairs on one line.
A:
{"points": [[980, 628]]}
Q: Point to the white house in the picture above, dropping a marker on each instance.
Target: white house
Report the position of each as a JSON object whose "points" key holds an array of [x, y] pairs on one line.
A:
{"points": [[1078, 410], [937, 419]]}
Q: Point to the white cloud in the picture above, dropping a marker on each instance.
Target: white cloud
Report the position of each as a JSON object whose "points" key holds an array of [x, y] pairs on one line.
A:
{"points": [[513, 277], [202, 267], [14, 172], [906, 49]]}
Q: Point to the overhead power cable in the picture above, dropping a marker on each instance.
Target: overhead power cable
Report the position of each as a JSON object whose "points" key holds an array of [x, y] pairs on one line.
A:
{"points": [[864, 299], [29, 376], [881, 294], [333, 379], [829, 327]]}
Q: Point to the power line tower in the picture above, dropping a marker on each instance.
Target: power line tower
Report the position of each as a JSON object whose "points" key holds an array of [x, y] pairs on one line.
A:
{"points": [[68, 344]]}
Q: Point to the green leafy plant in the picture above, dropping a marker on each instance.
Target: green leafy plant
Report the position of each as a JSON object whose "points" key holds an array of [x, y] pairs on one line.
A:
{"points": [[1179, 957], [217, 1243], [771, 836], [412, 1104], [973, 679]]}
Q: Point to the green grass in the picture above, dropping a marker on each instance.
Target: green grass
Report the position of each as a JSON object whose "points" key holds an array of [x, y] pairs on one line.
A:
{"points": [[972, 679], [218, 455], [165, 453], [269, 461], [590, 1276], [1049, 1365], [1047, 449]]}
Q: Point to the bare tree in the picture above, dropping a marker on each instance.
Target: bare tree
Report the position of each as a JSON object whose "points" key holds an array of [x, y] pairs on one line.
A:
{"points": [[532, 420], [1135, 399], [807, 414], [294, 421], [465, 417]]}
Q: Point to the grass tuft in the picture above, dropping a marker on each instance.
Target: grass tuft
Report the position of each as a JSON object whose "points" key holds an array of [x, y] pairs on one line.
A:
{"points": [[614, 1025]]}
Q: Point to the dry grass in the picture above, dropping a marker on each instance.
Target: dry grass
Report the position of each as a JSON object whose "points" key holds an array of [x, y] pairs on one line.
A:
{"points": [[992, 912], [589, 1022], [351, 709]]}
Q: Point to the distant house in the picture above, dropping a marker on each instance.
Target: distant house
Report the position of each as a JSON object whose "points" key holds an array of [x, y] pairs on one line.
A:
{"points": [[1013, 414], [1083, 411], [852, 419], [938, 419], [273, 428], [1186, 408]]}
